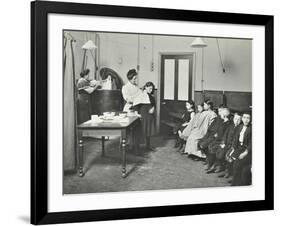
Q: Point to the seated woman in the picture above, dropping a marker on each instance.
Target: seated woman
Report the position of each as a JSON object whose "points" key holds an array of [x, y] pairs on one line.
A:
{"points": [[193, 135], [85, 87], [147, 112], [185, 119]]}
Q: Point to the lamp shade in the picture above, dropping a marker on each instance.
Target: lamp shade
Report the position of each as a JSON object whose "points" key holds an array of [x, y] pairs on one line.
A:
{"points": [[89, 45], [198, 43]]}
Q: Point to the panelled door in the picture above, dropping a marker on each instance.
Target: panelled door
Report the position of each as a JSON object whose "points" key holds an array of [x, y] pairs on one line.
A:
{"points": [[176, 87]]}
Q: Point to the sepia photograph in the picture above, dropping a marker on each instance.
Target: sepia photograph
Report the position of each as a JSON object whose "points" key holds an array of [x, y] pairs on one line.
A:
{"points": [[153, 112]]}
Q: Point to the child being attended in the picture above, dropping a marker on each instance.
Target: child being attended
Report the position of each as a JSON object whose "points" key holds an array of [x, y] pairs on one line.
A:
{"points": [[147, 112]]}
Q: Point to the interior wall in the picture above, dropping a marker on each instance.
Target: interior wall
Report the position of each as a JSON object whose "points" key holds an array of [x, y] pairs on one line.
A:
{"points": [[120, 52]]}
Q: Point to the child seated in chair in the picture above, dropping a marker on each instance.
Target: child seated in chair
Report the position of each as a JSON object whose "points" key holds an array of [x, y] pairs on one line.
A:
{"points": [[186, 117], [242, 151], [194, 124]]}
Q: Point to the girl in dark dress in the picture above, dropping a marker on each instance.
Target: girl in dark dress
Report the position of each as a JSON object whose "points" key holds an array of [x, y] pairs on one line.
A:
{"points": [[84, 90], [213, 148], [147, 112], [185, 119]]}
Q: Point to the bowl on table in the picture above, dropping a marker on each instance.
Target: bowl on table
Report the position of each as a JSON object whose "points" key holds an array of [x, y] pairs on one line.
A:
{"points": [[122, 114], [95, 118], [108, 115]]}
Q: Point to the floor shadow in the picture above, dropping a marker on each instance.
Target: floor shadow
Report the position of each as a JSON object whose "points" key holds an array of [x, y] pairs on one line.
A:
{"points": [[116, 160], [135, 167]]}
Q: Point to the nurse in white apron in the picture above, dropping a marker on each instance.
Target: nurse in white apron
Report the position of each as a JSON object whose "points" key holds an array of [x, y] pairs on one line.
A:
{"points": [[132, 94]]}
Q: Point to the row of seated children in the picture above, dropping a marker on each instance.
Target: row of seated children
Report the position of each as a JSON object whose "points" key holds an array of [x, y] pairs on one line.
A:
{"points": [[223, 140]]}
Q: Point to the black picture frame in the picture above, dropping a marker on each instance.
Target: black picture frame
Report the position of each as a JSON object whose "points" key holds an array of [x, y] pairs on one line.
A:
{"points": [[39, 112]]}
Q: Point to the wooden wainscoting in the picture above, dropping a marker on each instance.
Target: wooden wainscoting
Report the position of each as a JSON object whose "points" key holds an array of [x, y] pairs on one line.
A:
{"points": [[235, 100], [216, 96], [238, 101], [198, 97]]}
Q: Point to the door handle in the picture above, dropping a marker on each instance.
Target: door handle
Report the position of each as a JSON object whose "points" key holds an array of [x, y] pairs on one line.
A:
{"points": [[163, 103]]}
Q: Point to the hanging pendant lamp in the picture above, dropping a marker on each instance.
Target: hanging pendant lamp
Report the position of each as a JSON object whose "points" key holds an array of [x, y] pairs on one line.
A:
{"points": [[199, 43]]}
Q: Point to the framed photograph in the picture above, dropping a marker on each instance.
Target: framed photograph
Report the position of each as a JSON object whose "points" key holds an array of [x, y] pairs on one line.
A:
{"points": [[146, 112]]}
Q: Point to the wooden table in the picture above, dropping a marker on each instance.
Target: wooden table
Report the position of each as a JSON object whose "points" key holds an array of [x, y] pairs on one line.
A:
{"points": [[108, 128]]}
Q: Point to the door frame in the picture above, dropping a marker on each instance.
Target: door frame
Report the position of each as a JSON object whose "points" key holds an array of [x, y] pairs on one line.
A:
{"points": [[159, 91]]}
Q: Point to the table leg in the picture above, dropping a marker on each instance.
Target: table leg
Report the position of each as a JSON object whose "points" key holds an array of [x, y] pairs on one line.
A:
{"points": [[123, 144], [81, 158], [102, 146], [135, 140]]}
